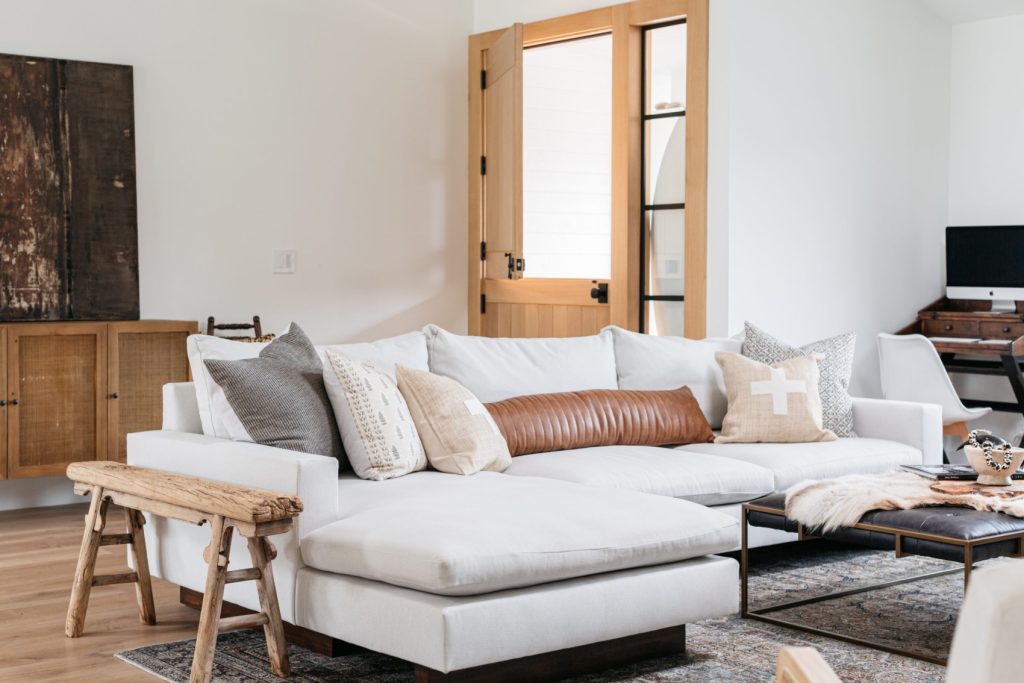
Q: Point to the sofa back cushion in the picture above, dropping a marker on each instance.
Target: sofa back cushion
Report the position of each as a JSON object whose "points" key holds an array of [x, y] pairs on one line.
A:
{"points": [[500, 368], [600, 417], [214, 410], [645, 362]]}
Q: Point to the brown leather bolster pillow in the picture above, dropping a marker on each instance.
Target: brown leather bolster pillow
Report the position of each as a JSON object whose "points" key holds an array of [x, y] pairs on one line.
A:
{"points": [[600, 417]]}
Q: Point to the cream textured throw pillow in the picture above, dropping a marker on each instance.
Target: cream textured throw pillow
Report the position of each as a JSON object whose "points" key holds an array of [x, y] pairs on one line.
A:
{"points": [[458, 433], [376, 427], [776, 403]]}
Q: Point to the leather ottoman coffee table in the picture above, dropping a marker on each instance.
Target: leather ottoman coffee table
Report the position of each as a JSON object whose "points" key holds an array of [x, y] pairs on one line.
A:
{"points": [[950, 533]]}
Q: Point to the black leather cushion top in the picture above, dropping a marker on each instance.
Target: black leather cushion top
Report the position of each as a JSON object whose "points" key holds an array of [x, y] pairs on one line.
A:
{"points": [[957, 523]]}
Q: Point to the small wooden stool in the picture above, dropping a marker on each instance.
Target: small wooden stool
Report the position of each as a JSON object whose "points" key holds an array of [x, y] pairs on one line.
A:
{"points": [[255, 513]]}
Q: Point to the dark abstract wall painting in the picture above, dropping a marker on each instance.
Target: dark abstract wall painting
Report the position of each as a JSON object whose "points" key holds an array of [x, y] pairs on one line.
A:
{"points": [[68, 222]]}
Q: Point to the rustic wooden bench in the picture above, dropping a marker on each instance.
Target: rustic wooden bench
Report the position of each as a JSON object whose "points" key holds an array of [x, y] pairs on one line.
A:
{"points": [[255, 513]]}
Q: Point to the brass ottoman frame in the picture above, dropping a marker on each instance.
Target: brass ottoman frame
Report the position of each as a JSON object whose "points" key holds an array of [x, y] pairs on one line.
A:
{"points": [[765, 614]]}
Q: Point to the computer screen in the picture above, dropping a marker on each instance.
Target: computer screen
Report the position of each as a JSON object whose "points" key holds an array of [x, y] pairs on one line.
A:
{"points": [[985, 256]]}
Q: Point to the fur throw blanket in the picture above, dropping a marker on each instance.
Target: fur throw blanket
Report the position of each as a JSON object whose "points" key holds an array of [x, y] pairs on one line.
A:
{"points": [[834, 503]]}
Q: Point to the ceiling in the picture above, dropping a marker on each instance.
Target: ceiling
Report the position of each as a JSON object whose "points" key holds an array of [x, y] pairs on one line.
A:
{"points": [[959, 11]]}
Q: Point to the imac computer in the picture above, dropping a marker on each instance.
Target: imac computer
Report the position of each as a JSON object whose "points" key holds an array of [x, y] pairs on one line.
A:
{"points": [[986, 262]]}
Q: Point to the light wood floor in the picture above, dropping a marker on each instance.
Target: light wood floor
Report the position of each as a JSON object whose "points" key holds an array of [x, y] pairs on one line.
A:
{"points": [[38, 552]]}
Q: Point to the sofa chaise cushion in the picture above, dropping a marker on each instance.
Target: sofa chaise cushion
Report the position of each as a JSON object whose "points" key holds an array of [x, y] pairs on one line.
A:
{"points": [[794, 462], [704, 479], [452, 535]]}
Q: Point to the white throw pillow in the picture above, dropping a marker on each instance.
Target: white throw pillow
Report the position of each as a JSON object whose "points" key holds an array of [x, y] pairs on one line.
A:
{"points": [[378, 431], [497, 369], [645, 362], [215, 413]]}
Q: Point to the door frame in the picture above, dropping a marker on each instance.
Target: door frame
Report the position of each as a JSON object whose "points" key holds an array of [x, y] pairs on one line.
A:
{"points": [[625, 23], [15, 331]]}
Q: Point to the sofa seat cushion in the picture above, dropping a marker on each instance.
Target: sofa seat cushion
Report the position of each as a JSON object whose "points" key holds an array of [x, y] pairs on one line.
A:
{"points": [[704, 479], [794, 462], [454, 535]]}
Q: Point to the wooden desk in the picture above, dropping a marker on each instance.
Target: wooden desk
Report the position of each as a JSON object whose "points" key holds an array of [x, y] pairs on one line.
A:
{"points": [[998, 348]]}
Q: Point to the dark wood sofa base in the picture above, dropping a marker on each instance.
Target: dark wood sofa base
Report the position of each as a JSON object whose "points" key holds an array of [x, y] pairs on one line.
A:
{"points": [[573, 661], [547, 666]]}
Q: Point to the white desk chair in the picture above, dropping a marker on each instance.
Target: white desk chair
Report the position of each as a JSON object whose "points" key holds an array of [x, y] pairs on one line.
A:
{"points": [[986, 643], [912, 371]]}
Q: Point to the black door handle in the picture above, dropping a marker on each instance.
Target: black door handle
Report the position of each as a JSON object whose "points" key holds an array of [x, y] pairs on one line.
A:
{"points": [[113, 395], [600, 292], [14, 402], [2, 403]]}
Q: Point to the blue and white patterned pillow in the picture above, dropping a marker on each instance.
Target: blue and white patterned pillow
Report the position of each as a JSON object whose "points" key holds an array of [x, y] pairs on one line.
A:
{"points": [[835, 369]]}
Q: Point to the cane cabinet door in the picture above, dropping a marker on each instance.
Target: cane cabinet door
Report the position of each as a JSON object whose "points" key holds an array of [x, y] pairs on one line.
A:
{"points": [[56, 405], [3, 403], [143, 356]]}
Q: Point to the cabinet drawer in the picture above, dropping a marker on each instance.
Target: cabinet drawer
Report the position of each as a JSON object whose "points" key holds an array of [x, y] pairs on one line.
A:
{"points": [[950, 328], [995, 330]]}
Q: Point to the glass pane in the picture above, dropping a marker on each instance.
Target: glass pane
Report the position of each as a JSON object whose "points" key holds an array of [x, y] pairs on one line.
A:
{"points": [[567, 134], [666, 68], [665, 250], [666, 160], [664, 318]]}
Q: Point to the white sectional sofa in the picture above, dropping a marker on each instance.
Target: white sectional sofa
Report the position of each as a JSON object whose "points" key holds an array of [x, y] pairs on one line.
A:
{"points": [[562, 550]]}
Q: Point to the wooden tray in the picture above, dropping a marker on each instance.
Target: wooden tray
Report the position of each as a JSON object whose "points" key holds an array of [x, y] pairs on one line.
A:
{"points": [[956, 488]]}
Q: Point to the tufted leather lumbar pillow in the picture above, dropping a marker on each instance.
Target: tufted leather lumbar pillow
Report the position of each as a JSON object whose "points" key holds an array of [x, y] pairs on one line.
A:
{"points": [[600, 417]]}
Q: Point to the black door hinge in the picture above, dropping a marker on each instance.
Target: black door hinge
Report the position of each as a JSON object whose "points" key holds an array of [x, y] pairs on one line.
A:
{"points": [[483, 303], [483, 165], [483, 79], [483, 251]]}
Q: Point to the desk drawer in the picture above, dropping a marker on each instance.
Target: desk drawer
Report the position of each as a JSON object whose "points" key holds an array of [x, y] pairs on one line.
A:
{"points": [[994, 330], [950, 328]]}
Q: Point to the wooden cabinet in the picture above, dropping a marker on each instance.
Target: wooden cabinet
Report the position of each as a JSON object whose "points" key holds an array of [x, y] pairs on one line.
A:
{"points": [[74, 389]]}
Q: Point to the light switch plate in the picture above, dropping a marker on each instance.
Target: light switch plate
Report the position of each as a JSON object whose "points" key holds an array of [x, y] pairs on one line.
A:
{"points": [[285, 261]]}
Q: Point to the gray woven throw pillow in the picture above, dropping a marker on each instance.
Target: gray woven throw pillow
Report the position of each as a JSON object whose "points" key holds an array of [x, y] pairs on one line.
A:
{"points": [[280, 398], [835, 370]]}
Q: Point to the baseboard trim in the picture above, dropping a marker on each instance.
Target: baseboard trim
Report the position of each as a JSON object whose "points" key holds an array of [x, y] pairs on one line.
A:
{"points": [[573, 661]]}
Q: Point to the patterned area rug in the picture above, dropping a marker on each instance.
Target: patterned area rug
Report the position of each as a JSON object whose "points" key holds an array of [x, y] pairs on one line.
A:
{"points": [[919, 616]]}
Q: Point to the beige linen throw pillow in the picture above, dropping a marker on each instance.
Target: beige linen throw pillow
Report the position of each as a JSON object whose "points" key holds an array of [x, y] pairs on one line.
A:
{"points": [[458, 434], [776, 403]]}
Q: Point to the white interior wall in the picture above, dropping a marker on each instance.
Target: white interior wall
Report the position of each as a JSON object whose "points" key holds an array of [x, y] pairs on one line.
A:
{"points": [[336, 128], [986, 173], [837, 162]]}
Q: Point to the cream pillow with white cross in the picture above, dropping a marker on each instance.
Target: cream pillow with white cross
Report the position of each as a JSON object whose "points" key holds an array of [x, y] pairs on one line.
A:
{"points": [[777, 403]]}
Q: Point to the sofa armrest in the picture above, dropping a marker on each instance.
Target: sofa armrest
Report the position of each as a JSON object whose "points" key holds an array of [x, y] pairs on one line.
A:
{"points": [[176, 548], [313, 478], [915, 424]]}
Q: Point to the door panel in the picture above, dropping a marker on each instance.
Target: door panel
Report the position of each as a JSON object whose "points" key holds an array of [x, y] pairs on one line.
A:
{"points": [[56, 409], [503, 150], [143, 356]]}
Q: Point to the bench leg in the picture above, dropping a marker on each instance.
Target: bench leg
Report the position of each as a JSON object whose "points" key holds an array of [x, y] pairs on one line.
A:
{"points": [[144, 586], [95, 520], [277, 648], [216, 556]]}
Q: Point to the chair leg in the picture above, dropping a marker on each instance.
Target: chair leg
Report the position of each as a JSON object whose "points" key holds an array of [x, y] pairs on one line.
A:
{"points": [[273, 630], [144, 586], [95, 520], [216, 556], [958, 429]]}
